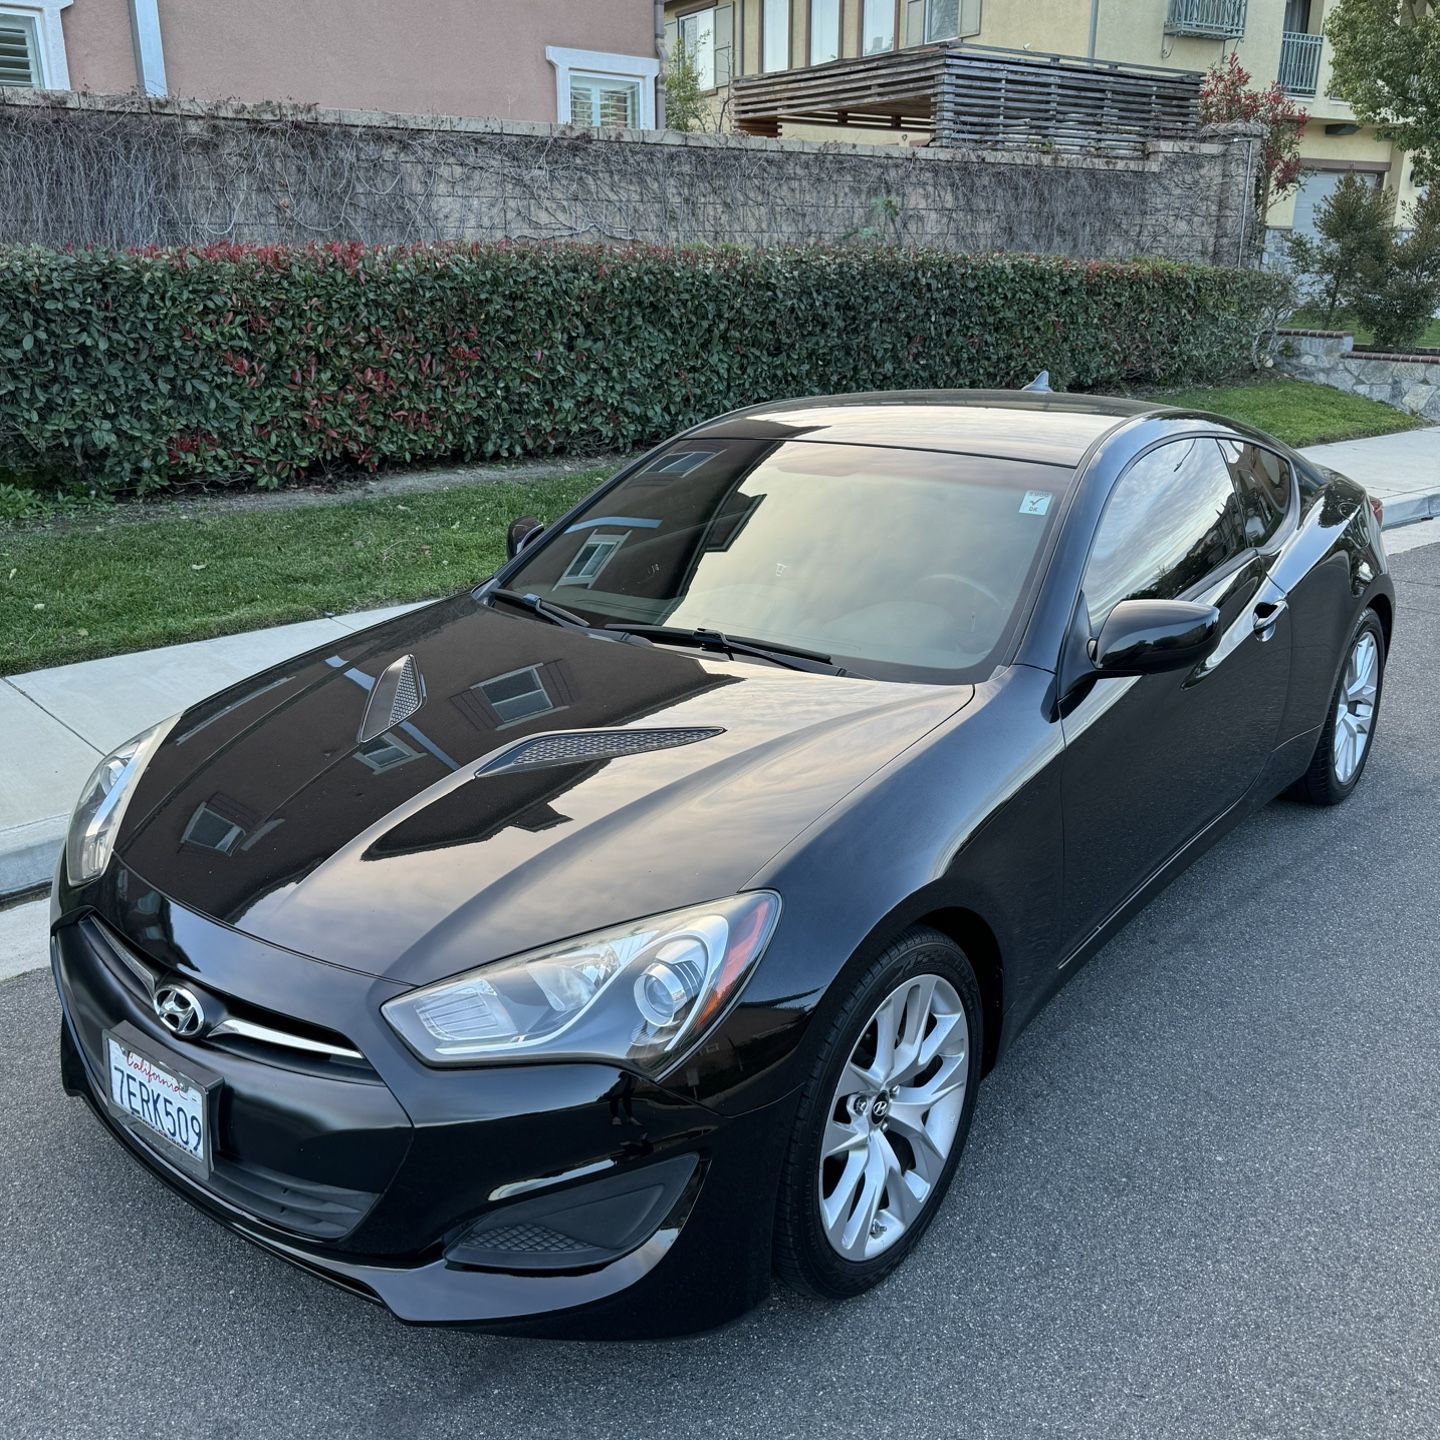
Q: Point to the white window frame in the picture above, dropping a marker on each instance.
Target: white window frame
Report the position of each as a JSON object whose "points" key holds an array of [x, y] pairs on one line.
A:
{"points": [[49, 38], [605, 66], [628, 84]]}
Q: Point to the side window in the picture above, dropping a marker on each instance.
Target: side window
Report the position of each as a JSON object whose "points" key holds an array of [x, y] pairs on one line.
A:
{"points": [[1263, 480], [1173, 518]]}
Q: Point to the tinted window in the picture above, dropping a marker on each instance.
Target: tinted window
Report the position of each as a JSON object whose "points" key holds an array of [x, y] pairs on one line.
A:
{"points": [[1263, 480], [897, 563], [1173, 518]]}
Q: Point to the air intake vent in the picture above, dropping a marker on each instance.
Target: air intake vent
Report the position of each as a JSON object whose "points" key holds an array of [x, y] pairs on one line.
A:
{"points": [[396, 696], [576, 747]]}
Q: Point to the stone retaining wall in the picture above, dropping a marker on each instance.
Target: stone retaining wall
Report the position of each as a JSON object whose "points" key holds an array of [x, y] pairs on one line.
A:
{"points": [[1408, 382]]}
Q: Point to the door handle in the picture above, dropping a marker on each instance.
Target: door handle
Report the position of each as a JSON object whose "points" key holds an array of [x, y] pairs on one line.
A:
{"points": [[1267, 612]]}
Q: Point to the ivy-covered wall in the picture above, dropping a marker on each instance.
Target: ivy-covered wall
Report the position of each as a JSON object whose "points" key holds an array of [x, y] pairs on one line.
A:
{"points": [[87, 169]]}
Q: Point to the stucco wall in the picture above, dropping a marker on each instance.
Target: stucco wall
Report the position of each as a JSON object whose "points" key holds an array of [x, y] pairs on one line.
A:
{"points": [[109, 170], [98, 47], [453, 57]]}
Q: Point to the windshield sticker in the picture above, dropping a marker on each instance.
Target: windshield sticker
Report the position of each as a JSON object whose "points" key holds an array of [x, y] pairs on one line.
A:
{"points": [[1036, 502]]}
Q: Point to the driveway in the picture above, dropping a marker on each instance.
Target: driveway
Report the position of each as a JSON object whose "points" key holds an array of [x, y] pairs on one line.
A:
{"points": [[1201, 1198]]}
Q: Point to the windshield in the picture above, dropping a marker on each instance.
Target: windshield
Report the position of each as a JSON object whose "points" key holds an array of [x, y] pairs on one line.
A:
{"points": [[896, 563]]}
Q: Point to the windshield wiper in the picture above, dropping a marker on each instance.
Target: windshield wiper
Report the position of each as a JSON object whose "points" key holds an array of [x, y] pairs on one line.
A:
{"points": [[791, 656], [555, 614]]}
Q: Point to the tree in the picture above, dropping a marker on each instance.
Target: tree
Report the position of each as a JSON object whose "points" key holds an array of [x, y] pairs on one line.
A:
{"points": [[1352, 234], [1387, 276], [1397, 295], [684, 100], [1386, 63], [1226, 94]]}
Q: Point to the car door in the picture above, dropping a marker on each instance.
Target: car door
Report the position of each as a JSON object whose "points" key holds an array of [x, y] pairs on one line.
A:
{"points": [[1151, 761]]}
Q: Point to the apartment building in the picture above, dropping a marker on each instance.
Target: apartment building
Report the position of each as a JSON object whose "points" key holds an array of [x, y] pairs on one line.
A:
{"points": [[1275, 40], [592, 63]]}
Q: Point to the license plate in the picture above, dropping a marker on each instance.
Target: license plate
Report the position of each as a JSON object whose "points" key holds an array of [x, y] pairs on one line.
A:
{"points": [[158, 1100]]}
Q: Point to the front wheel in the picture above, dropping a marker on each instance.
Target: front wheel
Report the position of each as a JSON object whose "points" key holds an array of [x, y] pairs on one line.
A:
{"points": [[1350, 722], [882, 1120]]}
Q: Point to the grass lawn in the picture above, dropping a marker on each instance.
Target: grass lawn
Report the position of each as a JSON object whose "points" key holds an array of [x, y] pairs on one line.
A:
{"points": [[1295, 411], [1310, 319], [75, 594]]}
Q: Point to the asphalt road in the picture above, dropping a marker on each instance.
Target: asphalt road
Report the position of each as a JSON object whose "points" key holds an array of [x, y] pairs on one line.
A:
{"points": [[1201, 1198]]}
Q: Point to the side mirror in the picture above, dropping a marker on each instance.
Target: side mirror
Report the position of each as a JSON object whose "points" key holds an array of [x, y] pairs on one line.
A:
{"points": [[520, 534], [1146, 637]]}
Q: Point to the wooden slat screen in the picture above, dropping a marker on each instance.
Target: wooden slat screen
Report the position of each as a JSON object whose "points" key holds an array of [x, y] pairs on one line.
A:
{"points": [[971, 95]]}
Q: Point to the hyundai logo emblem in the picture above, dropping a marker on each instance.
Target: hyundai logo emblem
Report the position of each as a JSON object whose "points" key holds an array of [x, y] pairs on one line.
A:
{"points": [[179, 1011]]}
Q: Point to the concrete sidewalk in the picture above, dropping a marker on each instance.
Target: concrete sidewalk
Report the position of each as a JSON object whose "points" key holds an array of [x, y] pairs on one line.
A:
{"points": [[61, 721], [1402, 470]]}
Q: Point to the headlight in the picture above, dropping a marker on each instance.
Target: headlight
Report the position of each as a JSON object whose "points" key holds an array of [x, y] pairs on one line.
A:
{"points": [[635, 994], [102, 804]]}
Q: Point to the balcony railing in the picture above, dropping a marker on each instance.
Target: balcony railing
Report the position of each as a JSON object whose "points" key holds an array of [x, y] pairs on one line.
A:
{"points": [[1299, 62], [1215, 19]]}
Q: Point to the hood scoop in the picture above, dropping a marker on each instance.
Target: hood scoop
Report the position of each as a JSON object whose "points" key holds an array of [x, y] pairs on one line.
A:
{"points": [[576, 747], [394, 698]]}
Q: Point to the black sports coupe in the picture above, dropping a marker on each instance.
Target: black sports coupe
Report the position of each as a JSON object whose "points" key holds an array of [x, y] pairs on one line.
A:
{"points": [[572, 955]]}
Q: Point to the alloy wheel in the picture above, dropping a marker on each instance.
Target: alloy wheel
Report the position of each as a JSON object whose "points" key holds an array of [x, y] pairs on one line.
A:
{"points": [[893, 1117], [1355, 707]]}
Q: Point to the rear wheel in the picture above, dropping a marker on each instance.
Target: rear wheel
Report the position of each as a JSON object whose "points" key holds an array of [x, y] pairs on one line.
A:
{"points": [[1344, 746], [883, 1119]]}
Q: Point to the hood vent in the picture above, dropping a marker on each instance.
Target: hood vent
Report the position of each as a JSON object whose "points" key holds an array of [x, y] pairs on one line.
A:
{"points": [[576, 747], [394, 698]]}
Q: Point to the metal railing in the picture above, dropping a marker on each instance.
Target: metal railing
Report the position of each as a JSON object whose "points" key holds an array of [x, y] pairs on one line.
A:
{"points": [[1299, 62], [1222, 19]]}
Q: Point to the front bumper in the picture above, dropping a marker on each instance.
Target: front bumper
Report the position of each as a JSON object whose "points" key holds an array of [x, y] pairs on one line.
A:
{"points": [[373, 1175]]}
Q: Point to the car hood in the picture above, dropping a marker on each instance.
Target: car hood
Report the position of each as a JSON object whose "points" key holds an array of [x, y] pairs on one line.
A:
{"points": [[397, 857]]}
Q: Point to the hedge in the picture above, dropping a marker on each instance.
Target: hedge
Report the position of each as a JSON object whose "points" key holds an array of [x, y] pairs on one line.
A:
{"points": [[131, 371]]}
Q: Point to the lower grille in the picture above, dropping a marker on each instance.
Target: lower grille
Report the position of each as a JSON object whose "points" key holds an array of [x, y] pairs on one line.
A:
{"points": [[321, 1212], [533, 1240]]}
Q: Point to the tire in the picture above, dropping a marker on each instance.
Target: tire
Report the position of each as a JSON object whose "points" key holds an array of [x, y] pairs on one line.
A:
{"points": [[1334, 774], [924, 982]]}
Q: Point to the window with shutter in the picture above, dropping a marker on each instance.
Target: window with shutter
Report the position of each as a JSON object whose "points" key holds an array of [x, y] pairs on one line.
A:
{"points": [[724, 44], [19, 52], [697, 40]]}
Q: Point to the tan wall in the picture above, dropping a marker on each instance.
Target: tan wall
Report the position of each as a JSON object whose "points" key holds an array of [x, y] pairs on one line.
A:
{"points": [[98, 48], [450, 57]]}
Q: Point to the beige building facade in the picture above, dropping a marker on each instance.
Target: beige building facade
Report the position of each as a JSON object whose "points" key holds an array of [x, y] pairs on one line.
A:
{"points": [[593, 62], [1274, 39]]}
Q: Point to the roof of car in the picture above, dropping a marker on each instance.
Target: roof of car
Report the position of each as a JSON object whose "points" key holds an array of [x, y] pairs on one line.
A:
{"points": [[1009, 424]]}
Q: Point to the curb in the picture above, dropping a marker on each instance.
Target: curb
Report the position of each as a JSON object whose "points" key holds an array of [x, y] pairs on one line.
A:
{"points": [[1411, 509], [28, 854]]}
